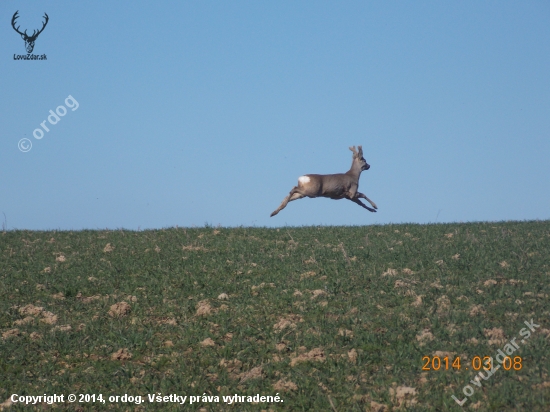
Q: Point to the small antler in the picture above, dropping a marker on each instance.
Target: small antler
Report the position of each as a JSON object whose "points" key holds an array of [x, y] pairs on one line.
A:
{"points": [[13, 19], [352, 148], [43, 26], [360, 151], [35, 33]]}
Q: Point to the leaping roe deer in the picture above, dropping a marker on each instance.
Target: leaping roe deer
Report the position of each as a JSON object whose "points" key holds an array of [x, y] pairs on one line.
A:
{"points": [[337, 186]]}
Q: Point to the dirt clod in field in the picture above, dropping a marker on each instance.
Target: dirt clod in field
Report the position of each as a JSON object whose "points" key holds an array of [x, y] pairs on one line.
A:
{"points": [[10, 333], [456, 257], [195, 248], [490, 282], [316, 354], [35, 336], [495, 335], [443, 305], [477, 310], [253, 373], [449, 235], [62, 328], [345, 332], [318, 292], [121, 354], [400, 284], [108, 248], [288, 321], [284, 385], [49, 318], [204, 308], [423, 378], [223, 296], [443, 354], [119, 309], [504, 264], [207, 342], [233, 367], [473, 341], [255, 288], [40, 287], [352, 356], [407, 271], [30, 309], [89, 299], [306, 275], [59, 296], [418, 301], [404, 395], [424, 336], [60, 258], [24, 321], [437, 284], [297, 293], [389, 272], [6, 404], [378, 407]]}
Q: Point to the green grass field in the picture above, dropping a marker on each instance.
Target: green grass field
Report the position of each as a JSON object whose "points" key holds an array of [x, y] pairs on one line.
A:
{"points": [[328, 318]]}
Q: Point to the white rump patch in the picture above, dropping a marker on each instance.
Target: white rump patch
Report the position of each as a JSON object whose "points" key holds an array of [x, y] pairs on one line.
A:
{"points": [[303, 179]]}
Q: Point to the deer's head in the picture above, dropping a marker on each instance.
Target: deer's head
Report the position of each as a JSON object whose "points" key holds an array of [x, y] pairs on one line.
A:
{"points": [[29, 40], [358, 158]]}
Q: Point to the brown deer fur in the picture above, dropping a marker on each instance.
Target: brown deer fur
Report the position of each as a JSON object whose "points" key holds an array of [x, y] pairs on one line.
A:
{"points": [[336, 186]]}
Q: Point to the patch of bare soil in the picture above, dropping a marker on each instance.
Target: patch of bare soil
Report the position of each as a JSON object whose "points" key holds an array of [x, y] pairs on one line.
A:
{"points": [[316, 355], [121, 354], [287, 321], [404, 395], [495, 335], [284, 385], [119, 309], [204, 308], [424, 336]]}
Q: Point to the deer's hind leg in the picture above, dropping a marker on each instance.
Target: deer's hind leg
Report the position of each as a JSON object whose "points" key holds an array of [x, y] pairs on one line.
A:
{"points": [[362, 196], [355, 200], [293, 195]]}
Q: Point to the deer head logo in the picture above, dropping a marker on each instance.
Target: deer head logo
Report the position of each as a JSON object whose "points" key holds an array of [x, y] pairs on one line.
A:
{"points": [[29, 40]]}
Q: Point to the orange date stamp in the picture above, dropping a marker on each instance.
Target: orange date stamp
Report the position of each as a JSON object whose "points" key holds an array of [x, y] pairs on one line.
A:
{"points": [[436, 363]]}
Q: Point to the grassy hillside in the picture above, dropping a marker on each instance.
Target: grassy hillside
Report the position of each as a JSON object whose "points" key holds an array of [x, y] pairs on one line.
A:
{"points": [[329, 318]]}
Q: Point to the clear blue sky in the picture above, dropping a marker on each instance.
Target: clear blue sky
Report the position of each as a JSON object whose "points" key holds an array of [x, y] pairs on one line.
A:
{"points": [[208, 112]]}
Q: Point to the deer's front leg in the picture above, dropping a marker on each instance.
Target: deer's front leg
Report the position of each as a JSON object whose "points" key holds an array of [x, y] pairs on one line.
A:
{"points": [[293, 195], [355, 200], [360, 195]]}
